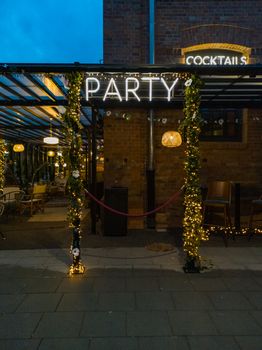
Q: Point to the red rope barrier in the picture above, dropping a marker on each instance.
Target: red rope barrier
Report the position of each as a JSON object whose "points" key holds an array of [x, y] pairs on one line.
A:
{"points": [[102, 204]]}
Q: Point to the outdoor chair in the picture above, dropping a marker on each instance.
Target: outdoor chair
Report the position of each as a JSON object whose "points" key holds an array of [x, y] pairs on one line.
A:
{"points": [[11, 199], [34, 201], [218, 197], [255, 204]]}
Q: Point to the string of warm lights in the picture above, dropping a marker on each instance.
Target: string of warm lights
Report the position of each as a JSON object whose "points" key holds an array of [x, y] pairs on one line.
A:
{"points": [[72, 131], [124, 75], [2, 164], [232, 231], [190, 127]]}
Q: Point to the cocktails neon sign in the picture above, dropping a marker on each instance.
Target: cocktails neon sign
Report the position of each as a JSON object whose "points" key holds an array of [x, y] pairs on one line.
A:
{"points": [[215, 60]]}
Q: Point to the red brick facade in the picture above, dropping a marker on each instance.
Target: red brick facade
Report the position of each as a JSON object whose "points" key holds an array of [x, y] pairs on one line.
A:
{"points": [[178, 25]]}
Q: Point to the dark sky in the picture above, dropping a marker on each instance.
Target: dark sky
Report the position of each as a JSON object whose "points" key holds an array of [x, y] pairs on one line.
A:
{"points": [[51, 31]]}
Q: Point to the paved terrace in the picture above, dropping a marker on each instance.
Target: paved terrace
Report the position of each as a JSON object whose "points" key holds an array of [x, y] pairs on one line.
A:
{"points": [[132, 299]]}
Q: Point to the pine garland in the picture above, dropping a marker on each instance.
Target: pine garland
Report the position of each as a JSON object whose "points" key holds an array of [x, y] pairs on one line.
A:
{"points": [[190, 128], [72, 131], [2, 164]]}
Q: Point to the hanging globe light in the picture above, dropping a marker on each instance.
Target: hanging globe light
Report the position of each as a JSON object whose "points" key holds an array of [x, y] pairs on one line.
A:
{"points": [[51, 140], [171, 139], [18, 147], [51, 153]]}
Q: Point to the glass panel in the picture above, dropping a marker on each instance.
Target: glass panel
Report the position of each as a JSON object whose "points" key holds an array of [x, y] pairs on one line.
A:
{"points": [[221, 124]]}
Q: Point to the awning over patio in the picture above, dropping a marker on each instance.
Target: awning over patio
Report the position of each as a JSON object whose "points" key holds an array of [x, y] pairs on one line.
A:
{"points": [[33, 96]]}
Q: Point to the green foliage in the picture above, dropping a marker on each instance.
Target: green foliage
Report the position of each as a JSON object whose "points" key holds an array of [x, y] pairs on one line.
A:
{"points": [[190, 129], [2, 164], [72, 131]]}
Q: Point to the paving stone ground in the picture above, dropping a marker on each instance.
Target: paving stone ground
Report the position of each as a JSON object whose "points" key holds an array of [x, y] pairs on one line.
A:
{"points": [[131, 299]]}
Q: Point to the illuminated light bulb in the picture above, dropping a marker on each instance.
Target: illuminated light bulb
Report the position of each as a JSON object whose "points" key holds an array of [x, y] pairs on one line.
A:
{"points": [[19, 147], [51, 153]]}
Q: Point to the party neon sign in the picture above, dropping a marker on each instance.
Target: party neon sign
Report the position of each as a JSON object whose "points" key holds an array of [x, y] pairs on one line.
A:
{"points": [[130, 88]]}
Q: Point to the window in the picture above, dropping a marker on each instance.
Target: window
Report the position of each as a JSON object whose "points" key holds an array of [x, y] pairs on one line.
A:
{"points": [[221, 124]]}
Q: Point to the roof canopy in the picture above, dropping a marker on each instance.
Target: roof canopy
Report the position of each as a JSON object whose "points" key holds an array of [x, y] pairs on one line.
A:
{"points": [[32, 96]]}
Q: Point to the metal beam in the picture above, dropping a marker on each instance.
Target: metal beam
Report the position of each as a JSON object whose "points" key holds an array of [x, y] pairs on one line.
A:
{"points": [[43, 88], [250, 69], [23, 87], [22, 113], [34, 103], [40, 118], [11, 91], [53, 79]]}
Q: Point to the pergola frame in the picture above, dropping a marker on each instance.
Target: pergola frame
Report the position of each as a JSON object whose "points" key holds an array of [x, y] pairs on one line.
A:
{"points": [[27, 102], [224, 86]]}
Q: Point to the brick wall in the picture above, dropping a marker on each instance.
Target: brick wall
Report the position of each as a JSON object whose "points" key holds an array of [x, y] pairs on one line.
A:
{"points": [[126, 153], [179, 24], [186, 23], [125, 31], [125, 147]]}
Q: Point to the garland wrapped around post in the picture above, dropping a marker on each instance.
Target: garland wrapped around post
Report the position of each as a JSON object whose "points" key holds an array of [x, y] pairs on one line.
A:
{"points": [[2, 165], [190, 128], [72, 131]]}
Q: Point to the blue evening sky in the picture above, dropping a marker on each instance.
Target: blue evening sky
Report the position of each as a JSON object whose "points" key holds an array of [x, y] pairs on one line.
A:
{"points": [[51, 31]]}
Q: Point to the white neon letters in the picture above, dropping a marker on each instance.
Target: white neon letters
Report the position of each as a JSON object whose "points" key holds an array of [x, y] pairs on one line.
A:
{"points": [[134, 89], [169, 89], [217, 60], [90, 90], [130, 88], [112, 85], [150, 80]]}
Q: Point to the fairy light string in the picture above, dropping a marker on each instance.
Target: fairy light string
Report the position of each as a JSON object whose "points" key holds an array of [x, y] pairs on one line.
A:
{"points": [[190, 127], [2, 164], [74, 188]]}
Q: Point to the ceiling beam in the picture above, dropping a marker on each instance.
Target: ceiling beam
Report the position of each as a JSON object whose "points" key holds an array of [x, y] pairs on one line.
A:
{"points": [[42, 87]]}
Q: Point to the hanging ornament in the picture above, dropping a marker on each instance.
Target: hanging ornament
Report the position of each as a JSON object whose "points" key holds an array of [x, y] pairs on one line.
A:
{"points": [[75, 251], [75, 174], [188, 82]]}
